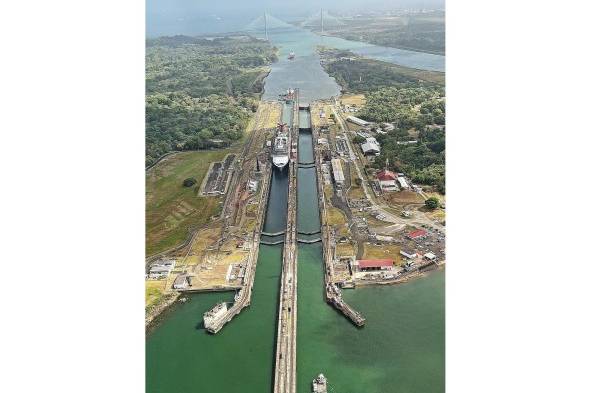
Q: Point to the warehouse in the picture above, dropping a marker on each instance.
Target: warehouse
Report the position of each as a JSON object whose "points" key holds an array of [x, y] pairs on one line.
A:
{"points": [[358, 121], [337, 172], [417, 235], [403, 183], [366, 265], [370, 148]]}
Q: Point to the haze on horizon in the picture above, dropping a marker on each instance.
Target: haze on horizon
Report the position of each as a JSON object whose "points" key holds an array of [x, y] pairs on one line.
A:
{"points": [[194, 17]]}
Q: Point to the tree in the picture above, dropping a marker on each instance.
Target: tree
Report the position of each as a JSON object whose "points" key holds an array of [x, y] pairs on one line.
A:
{"points": [[189, 182], [358, 139], [432, 203]]}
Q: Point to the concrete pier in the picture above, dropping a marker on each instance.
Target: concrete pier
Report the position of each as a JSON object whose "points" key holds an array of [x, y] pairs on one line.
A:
{"points": [[242, 297], [332, 293], [285, 352]]}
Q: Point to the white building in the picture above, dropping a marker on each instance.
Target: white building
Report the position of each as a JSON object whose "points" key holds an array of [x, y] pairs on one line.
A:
{"points": [[161, 269], [370, 148], [182, 281], [337, 172], [430, 256], [403, 183], [253, 185], [408, 254], [389, 185], [358, 121]]}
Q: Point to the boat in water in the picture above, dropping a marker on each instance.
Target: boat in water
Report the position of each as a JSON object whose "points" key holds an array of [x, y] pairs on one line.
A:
{"points": [[320, 384], [214, 315], [288, 96], [280, 152], [291, 56]]}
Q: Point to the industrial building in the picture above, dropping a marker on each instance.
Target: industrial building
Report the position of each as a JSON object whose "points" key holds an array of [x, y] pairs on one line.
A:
{"points": [[387, 180], [370, 147], [253, 185], [408, 254], [430, 256], [182, 281], [337, 172], [417, 235], [365, 265], [161, 269], [403, 183], [358, 121]]}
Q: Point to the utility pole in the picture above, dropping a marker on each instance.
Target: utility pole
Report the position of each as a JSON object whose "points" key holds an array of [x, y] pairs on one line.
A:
{"points": [[266, 34]]}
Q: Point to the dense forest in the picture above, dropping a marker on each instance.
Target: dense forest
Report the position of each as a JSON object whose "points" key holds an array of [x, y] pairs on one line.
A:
{"points": [[413, 101], [423, 32], [201, 92]]}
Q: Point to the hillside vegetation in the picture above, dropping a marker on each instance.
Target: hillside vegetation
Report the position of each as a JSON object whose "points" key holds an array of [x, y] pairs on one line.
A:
{"points": [[412, 100], [423, 32], [201, 92]]}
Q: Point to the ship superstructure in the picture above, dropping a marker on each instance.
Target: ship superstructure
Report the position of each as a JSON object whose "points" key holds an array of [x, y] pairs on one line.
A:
{"points": [[214, 315], [320, 384], [281, 145]]}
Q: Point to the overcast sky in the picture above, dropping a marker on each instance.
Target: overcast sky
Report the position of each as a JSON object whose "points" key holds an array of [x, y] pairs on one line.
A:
{"points": [[279, 6]]}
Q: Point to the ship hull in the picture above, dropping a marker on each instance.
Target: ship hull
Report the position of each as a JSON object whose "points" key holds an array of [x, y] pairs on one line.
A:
{"points": [[280, 161]]}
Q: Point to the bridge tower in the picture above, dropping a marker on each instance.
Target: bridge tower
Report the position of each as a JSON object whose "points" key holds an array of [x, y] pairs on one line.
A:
{"points": [[266, 34]]}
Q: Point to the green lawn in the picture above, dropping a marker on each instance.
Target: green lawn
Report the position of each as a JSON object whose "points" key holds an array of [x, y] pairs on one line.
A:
{"points": [[172, 209]]}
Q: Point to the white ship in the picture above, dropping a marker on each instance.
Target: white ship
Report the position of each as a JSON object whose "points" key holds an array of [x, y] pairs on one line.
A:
{"points": [[281, 146], [320, 384], [288, 96], [214, 315]]}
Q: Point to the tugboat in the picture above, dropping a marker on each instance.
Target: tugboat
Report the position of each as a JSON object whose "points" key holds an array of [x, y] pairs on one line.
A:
{"points": [[281, 146], [291, 56], [320, 384]]}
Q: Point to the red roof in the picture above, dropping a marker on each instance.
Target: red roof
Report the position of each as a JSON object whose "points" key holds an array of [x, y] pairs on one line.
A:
{"points": [[365, 263], [387, 175], [417, 233]]}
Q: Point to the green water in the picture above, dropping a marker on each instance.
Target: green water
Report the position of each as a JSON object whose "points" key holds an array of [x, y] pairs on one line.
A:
{"points": [[401, 348], [182, 358]]}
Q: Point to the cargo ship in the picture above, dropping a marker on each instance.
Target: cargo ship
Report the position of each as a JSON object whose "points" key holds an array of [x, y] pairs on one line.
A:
{"points": [[320, 384], [281, 144]]}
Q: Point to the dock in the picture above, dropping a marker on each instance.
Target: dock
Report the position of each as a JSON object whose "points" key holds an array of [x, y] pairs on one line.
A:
{"points": [[243, 295], [285, 352], [332, 294]]}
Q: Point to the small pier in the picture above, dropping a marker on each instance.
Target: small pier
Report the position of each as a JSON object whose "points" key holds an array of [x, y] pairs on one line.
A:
{"points": [[244, 293], [332, 293]]}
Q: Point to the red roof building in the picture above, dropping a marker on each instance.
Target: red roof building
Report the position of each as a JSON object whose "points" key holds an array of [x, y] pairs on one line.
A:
{"points": [[385, 175], [418, 234], [375, 264]]}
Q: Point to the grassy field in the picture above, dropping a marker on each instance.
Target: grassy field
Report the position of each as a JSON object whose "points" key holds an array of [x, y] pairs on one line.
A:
{"points": [[357, 100], [336, 217], [154, 290], [172, 209], [389, 251]]}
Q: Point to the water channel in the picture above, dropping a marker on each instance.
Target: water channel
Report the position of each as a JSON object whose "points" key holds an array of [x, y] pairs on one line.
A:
{"points": [[401, 349]]}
